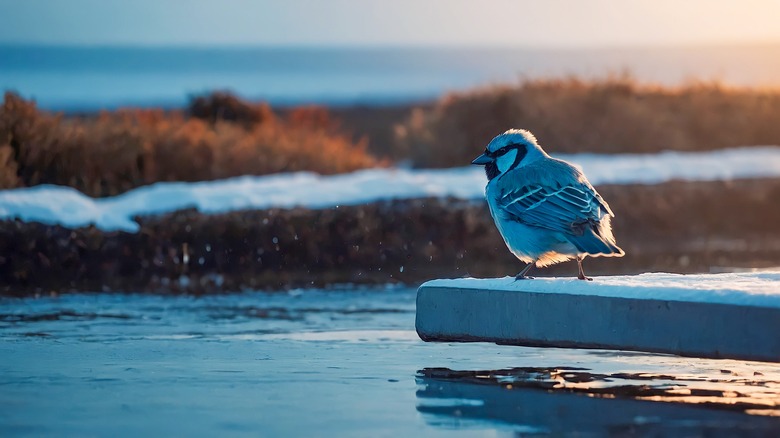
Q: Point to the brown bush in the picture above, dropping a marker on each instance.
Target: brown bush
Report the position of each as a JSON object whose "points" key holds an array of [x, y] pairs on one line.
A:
{"points": [[222, 105], [8, 168], [113, 152], [608, 116], [220, 136]]}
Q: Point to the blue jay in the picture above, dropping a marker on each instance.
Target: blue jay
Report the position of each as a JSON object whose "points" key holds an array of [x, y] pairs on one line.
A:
{"points": [[545, 209]]}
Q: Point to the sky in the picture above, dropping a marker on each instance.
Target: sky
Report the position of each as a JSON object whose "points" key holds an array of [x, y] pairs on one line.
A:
{"points": [[525, 23]]}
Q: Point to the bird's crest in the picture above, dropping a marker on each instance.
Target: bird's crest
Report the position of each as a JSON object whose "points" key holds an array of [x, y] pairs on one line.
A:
{"points": [[512, 136]]}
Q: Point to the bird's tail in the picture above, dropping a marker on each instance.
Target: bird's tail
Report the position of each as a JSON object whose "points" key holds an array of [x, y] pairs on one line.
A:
{"points": [[593, 244]]}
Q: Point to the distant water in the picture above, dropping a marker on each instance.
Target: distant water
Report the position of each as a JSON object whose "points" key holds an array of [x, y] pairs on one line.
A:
{"points": [[91, 78]]}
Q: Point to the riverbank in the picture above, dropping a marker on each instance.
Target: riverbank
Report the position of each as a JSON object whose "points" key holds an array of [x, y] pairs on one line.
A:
{"points": [[674, 227]]}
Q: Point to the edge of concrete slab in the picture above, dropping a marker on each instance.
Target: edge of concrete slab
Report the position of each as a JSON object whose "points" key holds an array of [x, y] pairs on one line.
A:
{"points": [[544, 319]]}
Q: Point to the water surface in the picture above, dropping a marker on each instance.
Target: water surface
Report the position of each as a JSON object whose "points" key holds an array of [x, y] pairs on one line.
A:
{"points": [[338, 363]]}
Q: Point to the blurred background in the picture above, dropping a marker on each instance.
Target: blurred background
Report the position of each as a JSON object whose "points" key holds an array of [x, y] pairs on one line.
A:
{"points": [[268, 182], [107, 97]]}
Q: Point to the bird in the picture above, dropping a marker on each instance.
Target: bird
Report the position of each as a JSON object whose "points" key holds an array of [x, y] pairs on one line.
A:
{"points": [[545, 209]]}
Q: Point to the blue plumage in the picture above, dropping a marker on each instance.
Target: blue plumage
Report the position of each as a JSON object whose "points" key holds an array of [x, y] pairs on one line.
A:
{"points": [[545, 209]]}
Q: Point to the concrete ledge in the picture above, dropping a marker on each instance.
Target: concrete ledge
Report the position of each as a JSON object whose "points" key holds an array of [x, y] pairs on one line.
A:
{"points": [[715, 316]]}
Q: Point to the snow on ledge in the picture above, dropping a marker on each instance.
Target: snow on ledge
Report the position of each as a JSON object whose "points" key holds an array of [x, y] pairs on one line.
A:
{"points": [[757, 289], [66, 206]]}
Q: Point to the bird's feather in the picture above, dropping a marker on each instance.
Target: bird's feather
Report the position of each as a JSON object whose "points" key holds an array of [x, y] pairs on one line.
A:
{"points": [[566, 204]]}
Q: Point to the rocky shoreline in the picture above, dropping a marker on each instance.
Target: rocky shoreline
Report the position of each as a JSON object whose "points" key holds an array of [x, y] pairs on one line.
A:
{"points": [[675, 227]]}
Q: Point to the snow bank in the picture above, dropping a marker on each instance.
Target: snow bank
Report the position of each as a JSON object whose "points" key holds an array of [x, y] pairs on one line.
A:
{"points": [[68, 207], [726, 164], [759, 289]]}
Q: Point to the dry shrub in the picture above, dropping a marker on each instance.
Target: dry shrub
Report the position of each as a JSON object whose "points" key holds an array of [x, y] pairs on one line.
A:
{"points": [[222, 105], [44, 150], [280, 147], [113, 152], [608, 116], [8, 168]]}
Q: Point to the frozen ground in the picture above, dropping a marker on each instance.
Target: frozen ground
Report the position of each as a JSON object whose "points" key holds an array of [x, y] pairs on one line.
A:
{"points": [[339, 363], [68, 207]]}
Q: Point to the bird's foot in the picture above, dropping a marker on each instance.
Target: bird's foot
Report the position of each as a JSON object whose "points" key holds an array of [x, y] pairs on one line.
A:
{"points": [[523, 277], [581, 273]]}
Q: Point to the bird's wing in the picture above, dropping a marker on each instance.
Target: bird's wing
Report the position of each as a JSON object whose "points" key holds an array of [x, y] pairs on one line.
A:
{"points": [[566, 204]]}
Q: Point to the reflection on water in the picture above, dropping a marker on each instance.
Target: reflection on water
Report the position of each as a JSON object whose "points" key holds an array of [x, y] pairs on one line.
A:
{"points": [[735, 393], [570, 400], [338, 363], [540, 401]]}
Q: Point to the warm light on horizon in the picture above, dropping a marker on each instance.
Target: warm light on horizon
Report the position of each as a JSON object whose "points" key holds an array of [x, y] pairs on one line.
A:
{"points": [[555, 23]]}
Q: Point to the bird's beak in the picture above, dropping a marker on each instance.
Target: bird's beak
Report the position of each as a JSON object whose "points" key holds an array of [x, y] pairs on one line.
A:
{"points": [[482, 160]]}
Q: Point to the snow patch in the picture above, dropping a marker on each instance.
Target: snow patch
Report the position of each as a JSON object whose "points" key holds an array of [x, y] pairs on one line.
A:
{"points": [[758, 289], [68, 207]]}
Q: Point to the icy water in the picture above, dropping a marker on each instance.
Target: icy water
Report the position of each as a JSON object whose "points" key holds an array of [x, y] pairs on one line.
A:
{"points": [[339, 363]]}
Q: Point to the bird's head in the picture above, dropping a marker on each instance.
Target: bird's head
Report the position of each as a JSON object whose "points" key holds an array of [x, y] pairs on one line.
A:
{"points": [[512, 149]]}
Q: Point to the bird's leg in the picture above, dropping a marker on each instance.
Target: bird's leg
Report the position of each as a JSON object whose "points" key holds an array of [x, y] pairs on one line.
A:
{"points": [[581, 274], [522, 275]]}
